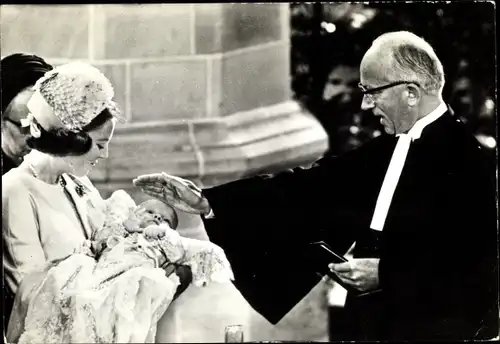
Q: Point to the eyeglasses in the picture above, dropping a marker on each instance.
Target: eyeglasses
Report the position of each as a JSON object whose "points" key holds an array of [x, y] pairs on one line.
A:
{"points": [[369, 92]]}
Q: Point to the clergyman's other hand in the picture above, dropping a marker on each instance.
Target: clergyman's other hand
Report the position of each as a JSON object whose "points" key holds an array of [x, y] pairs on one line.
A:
{"points": [[180, 193]]}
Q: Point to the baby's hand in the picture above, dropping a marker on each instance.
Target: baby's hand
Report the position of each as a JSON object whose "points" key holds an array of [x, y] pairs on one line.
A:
{"points": [[154, 232], [133, 223]]}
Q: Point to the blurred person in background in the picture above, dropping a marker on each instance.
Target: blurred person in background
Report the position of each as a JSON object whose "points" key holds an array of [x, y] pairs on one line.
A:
{"points": [[19, 72], [340, 115], [418, 203]]}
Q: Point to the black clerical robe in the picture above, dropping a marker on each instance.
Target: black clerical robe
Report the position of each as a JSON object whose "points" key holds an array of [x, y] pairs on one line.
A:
{"points": [[438, 249], [7, 295]]}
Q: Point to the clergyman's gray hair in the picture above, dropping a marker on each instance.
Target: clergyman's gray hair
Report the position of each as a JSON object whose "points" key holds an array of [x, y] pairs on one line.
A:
{"points": [[408, 57]]}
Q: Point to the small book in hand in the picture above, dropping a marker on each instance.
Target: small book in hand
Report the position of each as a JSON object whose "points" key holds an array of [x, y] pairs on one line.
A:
{"points": [[320, 255]]}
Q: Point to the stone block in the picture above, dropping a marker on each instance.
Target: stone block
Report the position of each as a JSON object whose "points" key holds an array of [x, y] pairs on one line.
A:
{"points": [[146, 30], [117, 74], [143, 161], [274, 151], [136, 150], [168, 90], [263, 114], [286, 151], [261, 141], [149, 156], [167, 136], [227, 27], [45, 30], [246, 25], [254, 78]]}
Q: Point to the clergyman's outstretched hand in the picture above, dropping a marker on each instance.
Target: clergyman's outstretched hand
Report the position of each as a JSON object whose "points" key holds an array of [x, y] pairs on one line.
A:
{"points": [[180, 193]]}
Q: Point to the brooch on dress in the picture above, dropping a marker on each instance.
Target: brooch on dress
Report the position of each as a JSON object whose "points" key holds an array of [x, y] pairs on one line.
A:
{"points": [[79, 188]]}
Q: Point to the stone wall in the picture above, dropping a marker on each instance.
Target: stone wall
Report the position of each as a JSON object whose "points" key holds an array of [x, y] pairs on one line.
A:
{"points": [[201, 80], [206, 91]]}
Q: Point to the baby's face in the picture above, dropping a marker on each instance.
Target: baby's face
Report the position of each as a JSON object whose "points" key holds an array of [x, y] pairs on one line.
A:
{"points": [[154, 212]]}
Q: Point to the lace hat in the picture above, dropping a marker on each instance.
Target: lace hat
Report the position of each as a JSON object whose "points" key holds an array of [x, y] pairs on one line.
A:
{"points": [[76, 93]]}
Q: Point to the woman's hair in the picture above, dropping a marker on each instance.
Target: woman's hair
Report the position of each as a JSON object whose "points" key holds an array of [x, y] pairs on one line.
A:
{"points": [[63, 142]]}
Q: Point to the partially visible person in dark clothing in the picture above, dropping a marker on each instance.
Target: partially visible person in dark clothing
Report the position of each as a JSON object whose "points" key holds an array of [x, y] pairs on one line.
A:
{"points": [[19, 74]]}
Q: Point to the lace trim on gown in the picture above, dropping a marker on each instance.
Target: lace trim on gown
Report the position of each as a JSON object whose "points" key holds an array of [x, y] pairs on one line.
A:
{"points": [[119, 297]]}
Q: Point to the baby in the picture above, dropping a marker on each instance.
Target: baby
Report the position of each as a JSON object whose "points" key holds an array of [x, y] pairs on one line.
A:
{"points": [[146, 233], [114, 289], [148, 216]]}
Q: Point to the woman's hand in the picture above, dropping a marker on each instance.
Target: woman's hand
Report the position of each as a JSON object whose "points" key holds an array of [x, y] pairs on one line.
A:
{"points": [[154, 232], [180, 193]]}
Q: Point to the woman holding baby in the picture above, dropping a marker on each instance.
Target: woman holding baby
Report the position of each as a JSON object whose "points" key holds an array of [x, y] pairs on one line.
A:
{"points": [[52, 214]]}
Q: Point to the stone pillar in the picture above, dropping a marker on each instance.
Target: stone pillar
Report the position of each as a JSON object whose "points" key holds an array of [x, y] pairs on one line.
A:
{"points": [[206, 87], [206, 91]]}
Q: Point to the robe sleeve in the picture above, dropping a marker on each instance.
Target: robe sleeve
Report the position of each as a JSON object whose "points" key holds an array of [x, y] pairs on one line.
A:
{"points": [[265, 223], [23, 252]]}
